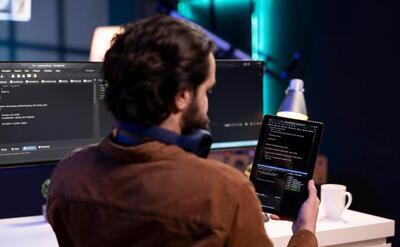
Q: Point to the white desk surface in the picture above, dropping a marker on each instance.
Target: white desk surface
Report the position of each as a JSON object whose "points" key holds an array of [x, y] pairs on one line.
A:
{"points": [[356, 229]]}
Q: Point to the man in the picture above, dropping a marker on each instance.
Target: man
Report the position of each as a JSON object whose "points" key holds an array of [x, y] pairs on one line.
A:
{"points": [[133, 190]]}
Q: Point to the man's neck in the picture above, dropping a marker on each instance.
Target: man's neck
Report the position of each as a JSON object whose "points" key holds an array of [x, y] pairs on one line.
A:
{"points": [[172, 123]]}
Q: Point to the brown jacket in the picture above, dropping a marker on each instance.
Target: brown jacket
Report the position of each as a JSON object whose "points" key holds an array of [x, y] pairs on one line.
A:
{"points": [[154, 195]]}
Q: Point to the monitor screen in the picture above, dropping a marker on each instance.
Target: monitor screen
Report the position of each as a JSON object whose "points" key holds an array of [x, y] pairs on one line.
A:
{"points": [[47, 109], [235, 104]]}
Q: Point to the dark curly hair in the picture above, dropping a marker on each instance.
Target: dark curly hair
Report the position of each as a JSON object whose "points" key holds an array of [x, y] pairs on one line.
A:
{"points": [[149, 63]]}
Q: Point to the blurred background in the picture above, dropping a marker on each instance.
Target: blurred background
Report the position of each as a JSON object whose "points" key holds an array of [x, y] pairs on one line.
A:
{"points": [[347, 53]]}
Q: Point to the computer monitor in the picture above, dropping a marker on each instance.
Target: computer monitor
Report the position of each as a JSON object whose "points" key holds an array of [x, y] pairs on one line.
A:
{"points": [[236, 104], [47, 109]]}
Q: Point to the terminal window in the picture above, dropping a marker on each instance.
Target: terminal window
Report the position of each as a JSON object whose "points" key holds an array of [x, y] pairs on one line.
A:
{"points": [[282, 166]]}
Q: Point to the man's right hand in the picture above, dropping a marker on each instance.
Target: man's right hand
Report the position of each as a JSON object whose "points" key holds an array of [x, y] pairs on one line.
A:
{"points": [[308, 214]]}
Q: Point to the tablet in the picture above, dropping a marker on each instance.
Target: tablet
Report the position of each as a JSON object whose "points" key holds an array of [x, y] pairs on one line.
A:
{"points": [[284, 163]]}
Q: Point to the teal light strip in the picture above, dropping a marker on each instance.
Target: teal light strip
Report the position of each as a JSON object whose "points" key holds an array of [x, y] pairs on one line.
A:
{"points": [[260, 34]]}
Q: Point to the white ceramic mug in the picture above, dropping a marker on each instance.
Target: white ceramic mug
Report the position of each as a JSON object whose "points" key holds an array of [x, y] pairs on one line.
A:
{"points": [[333, 200]]}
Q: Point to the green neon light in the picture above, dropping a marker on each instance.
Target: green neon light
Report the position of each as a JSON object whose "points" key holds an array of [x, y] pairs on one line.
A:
{"points": [[227, 2], [260, 34], [187, 8]]}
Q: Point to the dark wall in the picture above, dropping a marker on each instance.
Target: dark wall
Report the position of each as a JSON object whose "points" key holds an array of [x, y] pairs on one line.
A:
{"points": [[351, 54]]}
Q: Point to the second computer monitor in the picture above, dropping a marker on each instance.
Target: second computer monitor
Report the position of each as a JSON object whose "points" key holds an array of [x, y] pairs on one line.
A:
{"points": [[236, 104]]}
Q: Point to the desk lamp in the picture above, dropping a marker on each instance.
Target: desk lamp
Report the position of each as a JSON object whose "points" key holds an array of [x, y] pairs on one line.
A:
{"points": [[294, 105]]}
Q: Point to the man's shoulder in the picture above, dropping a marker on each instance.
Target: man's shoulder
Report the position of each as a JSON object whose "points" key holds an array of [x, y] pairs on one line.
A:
{"points": [[75, 158], [80, 152]]}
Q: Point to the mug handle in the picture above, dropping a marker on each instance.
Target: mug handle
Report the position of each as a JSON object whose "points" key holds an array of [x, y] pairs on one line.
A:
{"points": [[349, 200]]}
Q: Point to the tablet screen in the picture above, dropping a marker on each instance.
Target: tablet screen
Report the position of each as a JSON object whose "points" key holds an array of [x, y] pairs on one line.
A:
{"points": [[284, 162]]}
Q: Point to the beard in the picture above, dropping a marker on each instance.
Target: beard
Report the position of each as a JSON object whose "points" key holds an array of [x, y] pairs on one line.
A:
{"points": [[193, 119]]}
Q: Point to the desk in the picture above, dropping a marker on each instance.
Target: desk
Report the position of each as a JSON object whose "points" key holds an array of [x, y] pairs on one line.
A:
{"points": [[356, 229], [31, 231]]}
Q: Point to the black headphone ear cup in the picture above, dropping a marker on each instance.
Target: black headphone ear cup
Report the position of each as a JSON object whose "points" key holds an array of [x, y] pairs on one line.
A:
{"points": [[199, 142], [205, 144]]}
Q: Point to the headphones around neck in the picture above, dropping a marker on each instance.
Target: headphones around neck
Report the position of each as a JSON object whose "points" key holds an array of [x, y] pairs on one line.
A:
{"points": [[199, 142]]}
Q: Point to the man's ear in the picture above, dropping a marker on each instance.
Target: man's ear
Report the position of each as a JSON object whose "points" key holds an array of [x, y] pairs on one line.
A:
{"points": [[182, 99]]}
